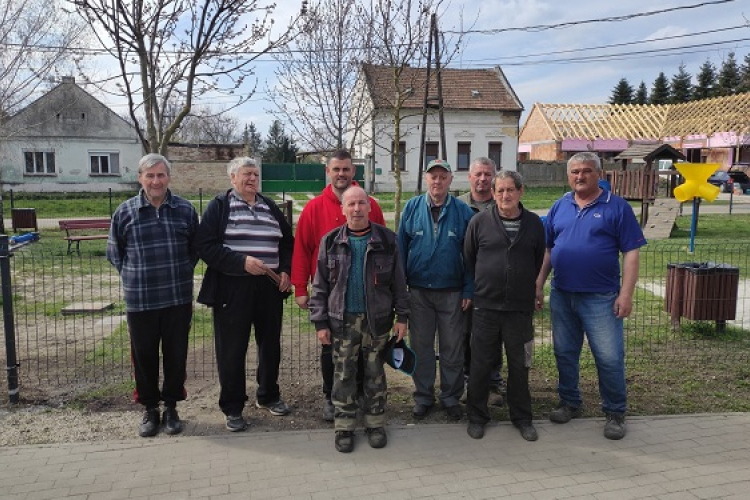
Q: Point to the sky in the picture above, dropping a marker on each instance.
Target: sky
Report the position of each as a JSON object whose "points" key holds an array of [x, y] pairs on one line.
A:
{"points": [[538, 62]]}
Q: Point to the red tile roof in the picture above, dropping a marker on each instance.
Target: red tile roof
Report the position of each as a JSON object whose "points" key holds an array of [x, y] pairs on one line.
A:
{"points": [[470, 89]]}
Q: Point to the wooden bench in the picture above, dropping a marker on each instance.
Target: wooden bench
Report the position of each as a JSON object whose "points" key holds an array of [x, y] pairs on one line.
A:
{"points": [[72, 226]]}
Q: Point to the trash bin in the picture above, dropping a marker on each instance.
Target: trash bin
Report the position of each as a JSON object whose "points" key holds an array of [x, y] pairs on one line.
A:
{"points": [[704, 291]]}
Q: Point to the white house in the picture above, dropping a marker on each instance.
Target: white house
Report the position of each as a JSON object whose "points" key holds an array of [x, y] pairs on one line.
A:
{"points": [[68, 141], [481, 114]]}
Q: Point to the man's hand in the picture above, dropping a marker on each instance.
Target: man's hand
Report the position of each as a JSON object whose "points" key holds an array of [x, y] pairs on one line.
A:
{"points": [[255, 266], [465, 304], [284, 284], [324, 336], [400, 330], [623, 306], [302, 301], [539, 302]]}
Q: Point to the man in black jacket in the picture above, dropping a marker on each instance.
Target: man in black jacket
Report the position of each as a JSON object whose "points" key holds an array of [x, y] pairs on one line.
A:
{"points": [[504, 248]]}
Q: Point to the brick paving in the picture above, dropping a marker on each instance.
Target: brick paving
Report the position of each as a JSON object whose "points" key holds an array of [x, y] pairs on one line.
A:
{"points": [[672, 457]]}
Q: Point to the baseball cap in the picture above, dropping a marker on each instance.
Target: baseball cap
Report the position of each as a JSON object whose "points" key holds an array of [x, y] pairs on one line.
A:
{"points": [[399, 356], [438, 163]]}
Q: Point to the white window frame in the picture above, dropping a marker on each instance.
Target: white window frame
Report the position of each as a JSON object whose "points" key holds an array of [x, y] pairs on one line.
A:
{"points": [[113, 163], [40, 168]]}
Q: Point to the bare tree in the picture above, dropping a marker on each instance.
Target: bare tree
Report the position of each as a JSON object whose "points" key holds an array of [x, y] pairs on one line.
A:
{"points": [[180, 50], [400, 31], [36, 38], [313, 94], [207, 126]]}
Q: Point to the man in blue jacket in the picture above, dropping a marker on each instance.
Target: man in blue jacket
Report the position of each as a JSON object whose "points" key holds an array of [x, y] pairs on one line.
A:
{"points": [[431, 239]]}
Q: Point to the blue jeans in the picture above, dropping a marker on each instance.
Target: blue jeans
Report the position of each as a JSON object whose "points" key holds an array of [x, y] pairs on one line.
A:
{"points": [[574, 313]]}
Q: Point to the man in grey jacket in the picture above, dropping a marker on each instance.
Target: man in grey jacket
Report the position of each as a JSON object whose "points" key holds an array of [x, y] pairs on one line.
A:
{"points": [[358, 290], [504, 247]]}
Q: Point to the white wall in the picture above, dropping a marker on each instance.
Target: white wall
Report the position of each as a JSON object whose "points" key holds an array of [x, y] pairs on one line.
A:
{"points": [[71, 162], [476, 127]]}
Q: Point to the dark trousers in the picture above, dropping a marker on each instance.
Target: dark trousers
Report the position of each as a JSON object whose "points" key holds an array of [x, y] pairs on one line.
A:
{"points": [[168, 327], [491, 329], [247, 302], [496, 377]]}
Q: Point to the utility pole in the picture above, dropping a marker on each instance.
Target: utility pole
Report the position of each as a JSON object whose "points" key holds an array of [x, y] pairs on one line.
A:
{"points": [[434, 42]]}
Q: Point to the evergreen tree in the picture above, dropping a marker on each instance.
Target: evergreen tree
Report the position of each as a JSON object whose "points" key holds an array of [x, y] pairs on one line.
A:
{"points": [[729, 76], [706, 81], [660, 90], [252, 140], [682, 86], [641, 95], [622, 93], [280, 148], [744, 85]]}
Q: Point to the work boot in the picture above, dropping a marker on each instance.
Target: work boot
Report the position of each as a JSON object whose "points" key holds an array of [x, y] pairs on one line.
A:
{"points": [[150, 424]]}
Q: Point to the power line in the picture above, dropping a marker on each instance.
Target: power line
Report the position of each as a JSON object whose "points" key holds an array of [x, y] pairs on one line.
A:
{"points": [[624, 55], [613, 45], [567, 24]]}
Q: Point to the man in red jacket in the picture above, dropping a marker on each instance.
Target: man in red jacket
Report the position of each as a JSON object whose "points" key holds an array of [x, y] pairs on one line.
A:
{"points": [[321, 215]]}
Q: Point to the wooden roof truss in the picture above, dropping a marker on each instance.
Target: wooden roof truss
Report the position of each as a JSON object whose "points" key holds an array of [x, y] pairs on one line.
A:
{"points": [[648, 122]]}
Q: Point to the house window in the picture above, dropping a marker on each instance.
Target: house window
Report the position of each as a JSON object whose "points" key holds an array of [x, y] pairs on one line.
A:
{"points": [[430, 152], [39, 162], [463, 158], [401, 156], [495, 153], [104, 163]]}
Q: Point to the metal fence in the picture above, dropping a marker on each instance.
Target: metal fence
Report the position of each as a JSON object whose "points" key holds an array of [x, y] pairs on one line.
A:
{"points": [[70, 330]]}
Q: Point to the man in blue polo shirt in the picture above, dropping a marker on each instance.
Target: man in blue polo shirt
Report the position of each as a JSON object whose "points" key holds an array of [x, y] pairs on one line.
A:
{"points": [[587, 229]]}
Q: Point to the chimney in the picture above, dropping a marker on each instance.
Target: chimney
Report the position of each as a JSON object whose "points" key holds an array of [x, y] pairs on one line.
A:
{"points": [[67, 79]]}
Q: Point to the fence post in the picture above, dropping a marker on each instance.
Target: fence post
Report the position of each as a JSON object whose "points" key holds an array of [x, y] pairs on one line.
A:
{"points": [[288, 210], [12, 205], [110, 203], [10, 332]]}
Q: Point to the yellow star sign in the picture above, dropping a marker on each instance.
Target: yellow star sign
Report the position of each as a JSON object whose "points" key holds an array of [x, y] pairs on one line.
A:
{"points": [[696, 181]]}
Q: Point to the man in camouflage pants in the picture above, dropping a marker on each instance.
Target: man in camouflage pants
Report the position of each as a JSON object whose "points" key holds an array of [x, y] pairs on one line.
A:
{"points": [[358, 290]]}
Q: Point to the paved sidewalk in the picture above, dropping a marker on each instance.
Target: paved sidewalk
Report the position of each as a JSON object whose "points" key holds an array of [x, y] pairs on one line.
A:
{"points": [[677, 457]]}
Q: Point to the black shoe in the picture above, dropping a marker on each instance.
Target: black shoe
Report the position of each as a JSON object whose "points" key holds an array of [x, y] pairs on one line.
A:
{"points": [[277, 408], [420, 411], [498, 387], [475, 430], [564, 413], [454, 413], [528, 432], [615, 426], [344, 441], [236, 423], [376, 436], [329, 411], [150, 424], [171, 421]]}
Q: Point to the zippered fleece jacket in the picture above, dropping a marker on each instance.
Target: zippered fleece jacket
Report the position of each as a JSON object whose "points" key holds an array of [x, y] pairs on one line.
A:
{"points": [[386, 295], [433, 253], [505, 272], [209, 242], [321, 215]]}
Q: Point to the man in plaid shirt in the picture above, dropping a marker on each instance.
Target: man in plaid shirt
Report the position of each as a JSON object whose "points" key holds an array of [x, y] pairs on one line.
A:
{"points": [[151, 245]]}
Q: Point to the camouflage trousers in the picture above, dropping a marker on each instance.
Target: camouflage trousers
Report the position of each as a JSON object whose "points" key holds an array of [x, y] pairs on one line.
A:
{"points": [[355, 336]]}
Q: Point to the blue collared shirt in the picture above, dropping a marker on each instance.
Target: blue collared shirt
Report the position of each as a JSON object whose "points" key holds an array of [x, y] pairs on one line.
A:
{"points": [[152, 250], [586, 243]]}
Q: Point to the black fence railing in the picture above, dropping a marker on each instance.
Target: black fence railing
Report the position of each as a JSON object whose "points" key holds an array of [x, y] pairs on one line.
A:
{"points": [[70, 331]]}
